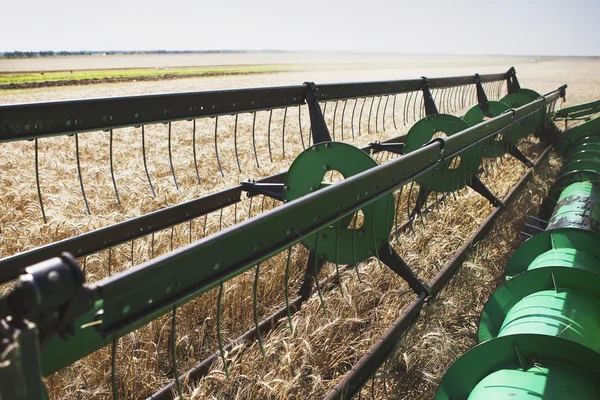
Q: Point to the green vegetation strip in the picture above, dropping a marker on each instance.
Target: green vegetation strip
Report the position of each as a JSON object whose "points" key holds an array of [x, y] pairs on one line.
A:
{"points": [[23, 80]]}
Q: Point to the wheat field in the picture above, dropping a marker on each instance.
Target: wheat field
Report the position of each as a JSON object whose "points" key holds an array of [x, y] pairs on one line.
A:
{"points": [[307, 362]]}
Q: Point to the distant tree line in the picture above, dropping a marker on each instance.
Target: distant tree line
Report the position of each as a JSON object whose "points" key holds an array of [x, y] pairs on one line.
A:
{"points": [[49, 53]]}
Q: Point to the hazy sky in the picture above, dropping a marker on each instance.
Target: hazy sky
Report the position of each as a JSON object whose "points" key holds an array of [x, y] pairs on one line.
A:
{"points": [[538, 27]]}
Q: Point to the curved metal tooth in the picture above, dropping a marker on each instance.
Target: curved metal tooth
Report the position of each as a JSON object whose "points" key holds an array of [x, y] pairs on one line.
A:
{"points": [[407, 99], [37, 181], [317, 274], [237, 156], [269, 135], [387, 98], [360, 115], [112, 171], [254, 138], [174, 351], [171, 159], [219, 333], [287, 289], [300, 126], [283, 132], [145, 163], [355, 219], [255, 312], [415, 106], [216, 147], [377, 114], [394, 111], [113, 367], [337, 265], [334, 115], [352, 118], [343, 112], [370, 112], [194, 150], [87, 206], [110, 258]]}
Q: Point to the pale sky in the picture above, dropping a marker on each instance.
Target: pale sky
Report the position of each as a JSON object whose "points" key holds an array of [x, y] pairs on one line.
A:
{"points": [[518, 27]]}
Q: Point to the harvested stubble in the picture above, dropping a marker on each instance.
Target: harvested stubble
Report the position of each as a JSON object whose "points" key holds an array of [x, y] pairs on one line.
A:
{"points": [[145, 353], [304, 364]]}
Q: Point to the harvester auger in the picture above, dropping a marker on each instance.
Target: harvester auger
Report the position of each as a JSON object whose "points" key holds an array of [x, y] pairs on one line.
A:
{"points": [[52, 318], [539, 331]]}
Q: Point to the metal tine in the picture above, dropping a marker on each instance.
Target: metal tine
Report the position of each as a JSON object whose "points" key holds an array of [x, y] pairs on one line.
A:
{"points": [[84, 265], [194, 149], [343, 112], [299, 126], [221, 219], [394, 111], [237, 157], [269, 135], [360, 115], [370, 112], [352, 118], [441, 102], [87, 206], [112, 171], [219, 334], [204, 227], [398, 197], [320, 293], [283, 132], [171, 158], [287, 289], [421, 107], [174, 351], [250, 208], [110, 256], [216, 147], [407, 99], [377, 114], [334, 115], [145, 163], [254, 138], [353, 248], [447, 100], [415, 107], [387, 98], [255, 311], [37, 180], [337, 265], [190, 227], [132, 251], [408, 213], [113, 367]]}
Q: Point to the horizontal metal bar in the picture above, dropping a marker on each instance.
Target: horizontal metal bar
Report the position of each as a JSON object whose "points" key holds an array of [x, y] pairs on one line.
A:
{"points": [[28, 121], [104, 238], [36, 120]]}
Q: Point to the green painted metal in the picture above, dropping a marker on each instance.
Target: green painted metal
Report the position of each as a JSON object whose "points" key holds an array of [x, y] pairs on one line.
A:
{"points": [[520, 98], [449, 176], [552, 294], [343, 242], [475, 115], [522, 352], [551, 381]]}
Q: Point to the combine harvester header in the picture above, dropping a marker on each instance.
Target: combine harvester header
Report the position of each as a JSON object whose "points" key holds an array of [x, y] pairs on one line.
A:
{"points": [[52, 318]]}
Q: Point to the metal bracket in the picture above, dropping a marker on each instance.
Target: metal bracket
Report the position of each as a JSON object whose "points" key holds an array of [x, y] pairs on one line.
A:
{"points": [[396, 148], [399, 266], [273, 190], [320, 132], [511, 81], [430, 107], [480, 188], [514, 151], [482, 99]]}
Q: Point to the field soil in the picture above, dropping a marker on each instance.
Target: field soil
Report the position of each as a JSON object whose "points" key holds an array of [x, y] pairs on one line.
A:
{"points": [[308, 362]]}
